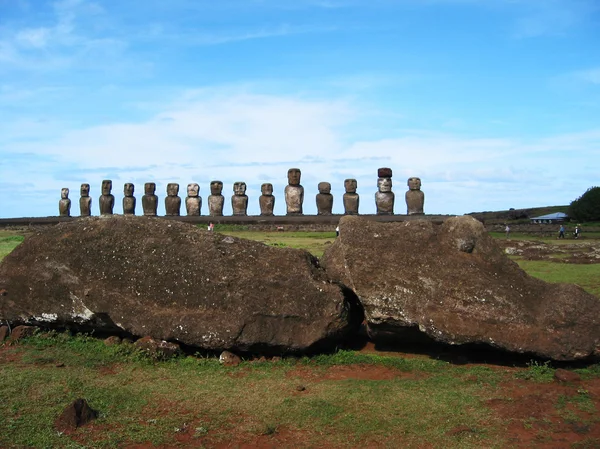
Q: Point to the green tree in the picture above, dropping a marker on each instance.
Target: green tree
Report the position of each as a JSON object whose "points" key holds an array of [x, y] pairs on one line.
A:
{"points": [[587, 206]]}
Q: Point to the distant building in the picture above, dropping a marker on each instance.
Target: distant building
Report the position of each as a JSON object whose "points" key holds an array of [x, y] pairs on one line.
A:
{"points": [[557, 217]]}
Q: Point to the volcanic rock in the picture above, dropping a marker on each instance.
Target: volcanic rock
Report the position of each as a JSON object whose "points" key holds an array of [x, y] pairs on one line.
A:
{"points": [[172, 281], [452, 283], [75, 415]]}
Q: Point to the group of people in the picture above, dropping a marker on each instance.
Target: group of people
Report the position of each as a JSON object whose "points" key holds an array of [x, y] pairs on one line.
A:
{"points": [[561, 232]]}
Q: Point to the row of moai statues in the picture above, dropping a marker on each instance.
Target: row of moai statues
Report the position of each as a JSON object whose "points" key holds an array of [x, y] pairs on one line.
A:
{"points": [[294, 198]]}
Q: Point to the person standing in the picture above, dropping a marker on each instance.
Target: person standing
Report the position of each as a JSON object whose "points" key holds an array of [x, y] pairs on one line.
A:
{"points": [[507, 230], [577, 231], [561, 232]]}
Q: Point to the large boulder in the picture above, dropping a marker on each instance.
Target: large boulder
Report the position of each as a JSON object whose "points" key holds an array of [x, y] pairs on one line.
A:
{"points": [[172, 281], [451, 283]]}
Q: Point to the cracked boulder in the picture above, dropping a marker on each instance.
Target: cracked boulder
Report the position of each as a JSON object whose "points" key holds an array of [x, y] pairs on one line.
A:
{"points": [[172, 281], [451, 283]]}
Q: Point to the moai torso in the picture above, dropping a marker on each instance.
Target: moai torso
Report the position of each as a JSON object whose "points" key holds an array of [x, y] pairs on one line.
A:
{"points": [[172, 201], [351, 198], [239, 200], [85, 202], [294, 193], [324, 199], [215, 199], [193, 202], [107, 200], [415, 198], [266, 200], [149, 200], [64, 205], [384, 197], [128, 199]]}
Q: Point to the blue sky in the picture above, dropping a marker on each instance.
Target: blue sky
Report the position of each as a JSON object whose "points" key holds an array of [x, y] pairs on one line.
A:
{"points": [[492, 103]]}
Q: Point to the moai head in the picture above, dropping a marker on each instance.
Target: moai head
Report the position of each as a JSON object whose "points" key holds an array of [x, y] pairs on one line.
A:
{"points": [[149, 188], [414, 183], [216, 187], [85, 190], [384, 185], [193, 190], [172, 189], [106, 187], [350, 185], [266, 189], [239, 188], [64, 193], [324, 187], [128, 189], [294, 176]]}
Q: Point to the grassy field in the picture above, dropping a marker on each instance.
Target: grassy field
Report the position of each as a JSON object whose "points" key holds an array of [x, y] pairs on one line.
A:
{"points": [[353, 398], [348, 399]]}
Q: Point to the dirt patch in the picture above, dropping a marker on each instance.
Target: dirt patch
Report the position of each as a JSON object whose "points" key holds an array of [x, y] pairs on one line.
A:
{"points": [[549, 415]]}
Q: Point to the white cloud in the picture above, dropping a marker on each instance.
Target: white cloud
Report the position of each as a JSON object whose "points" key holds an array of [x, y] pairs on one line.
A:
{"points": [[235, 136]]}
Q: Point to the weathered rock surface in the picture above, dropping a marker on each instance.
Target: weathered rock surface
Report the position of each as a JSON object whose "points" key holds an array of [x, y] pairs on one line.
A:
{"points": [[453, 284], [75, 415], [174, 282]]}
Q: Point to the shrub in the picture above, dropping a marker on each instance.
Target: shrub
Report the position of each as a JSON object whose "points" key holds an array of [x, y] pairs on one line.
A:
{"points": [[587, 206]]}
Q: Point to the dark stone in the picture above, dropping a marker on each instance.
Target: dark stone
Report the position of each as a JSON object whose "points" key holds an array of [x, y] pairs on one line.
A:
{"points": [[20, 332], [563, 375], [384, 172], [239, 200], [324, 199], [415, 198], [3, 333], [75, 415], [216, 200], [350, 198], [149, 200], [172, 201], [85, 202], [175, 282], [193, 201], [64, 205], [300, 388], [128, 199], [157, 349], [229, 359], [453, 284], [107, 200], [266, 201]]}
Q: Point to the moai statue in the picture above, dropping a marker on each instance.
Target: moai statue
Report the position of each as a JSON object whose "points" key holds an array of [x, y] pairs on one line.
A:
{"points": [[324, 199], [215, 199], [294, 192], [415, 198], [351, 198], [266, 200], [149, 200], [128, 199], [107, 200], [193, 202], [64, 205], [85, 202], [239, 200], [384, 197], [172, 201]]}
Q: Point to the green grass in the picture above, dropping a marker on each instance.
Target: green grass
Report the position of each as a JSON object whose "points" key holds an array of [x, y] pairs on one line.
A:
{"points": [[313, 242], [144, 401], [585, 275], [8, 243]]}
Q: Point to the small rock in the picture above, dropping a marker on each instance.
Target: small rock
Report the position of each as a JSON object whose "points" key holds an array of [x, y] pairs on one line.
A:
{"points": [[75, 415], [459, 430], [112, 340], [300, 388], [3, 332], [563, 375], [228, 239], [20, 332], [276, 359], [229, 359], [157, 349], [60, 365]]}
